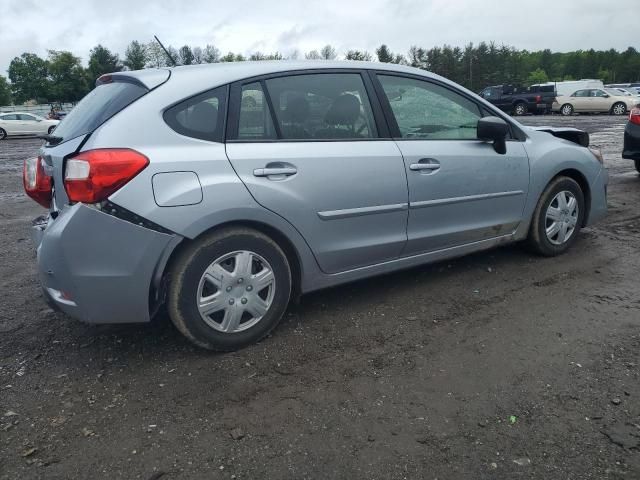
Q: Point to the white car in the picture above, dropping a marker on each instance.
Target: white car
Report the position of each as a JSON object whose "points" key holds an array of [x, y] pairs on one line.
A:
{"points": [[594, 100], [22, 123]]}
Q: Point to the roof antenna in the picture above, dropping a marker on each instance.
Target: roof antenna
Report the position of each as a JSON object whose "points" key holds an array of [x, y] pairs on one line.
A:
{"points": [[166, 51]]}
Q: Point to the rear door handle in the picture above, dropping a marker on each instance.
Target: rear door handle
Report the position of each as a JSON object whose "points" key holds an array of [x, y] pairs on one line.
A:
{"points": [[275, 171], [425, 164]]}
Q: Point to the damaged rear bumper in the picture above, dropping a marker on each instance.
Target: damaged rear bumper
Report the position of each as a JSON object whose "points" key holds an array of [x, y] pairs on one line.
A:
{"points": [[99, 268]]}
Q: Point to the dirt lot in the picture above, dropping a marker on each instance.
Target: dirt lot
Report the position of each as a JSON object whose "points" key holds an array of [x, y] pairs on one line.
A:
{"points": [[499, 365]]}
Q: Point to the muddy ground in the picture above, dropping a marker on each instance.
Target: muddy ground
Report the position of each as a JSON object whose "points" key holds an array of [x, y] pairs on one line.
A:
{"points": [[499, 365]]}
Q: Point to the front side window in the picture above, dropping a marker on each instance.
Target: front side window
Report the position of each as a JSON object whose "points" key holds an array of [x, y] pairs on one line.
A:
{"points": [[581, 93], [255, 122], [201, 116], [24, 116], [326, 106], [427, 111]]}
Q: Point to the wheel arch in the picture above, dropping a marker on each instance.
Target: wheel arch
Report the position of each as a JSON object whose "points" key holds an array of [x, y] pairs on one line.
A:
{"points": [[581, 180], [284, 242]]}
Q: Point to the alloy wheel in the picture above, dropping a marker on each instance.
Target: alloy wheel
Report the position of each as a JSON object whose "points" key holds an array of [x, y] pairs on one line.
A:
{"points": [[236, 291], [561, 218], [619, 109], [567, 110]]}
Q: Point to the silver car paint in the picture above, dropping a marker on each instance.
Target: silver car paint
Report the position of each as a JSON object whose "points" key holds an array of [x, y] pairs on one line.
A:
{"points": [[226, 198]]}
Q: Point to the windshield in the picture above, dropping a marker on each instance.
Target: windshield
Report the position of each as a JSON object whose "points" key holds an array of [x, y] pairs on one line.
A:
{"points": [[96, 107]]}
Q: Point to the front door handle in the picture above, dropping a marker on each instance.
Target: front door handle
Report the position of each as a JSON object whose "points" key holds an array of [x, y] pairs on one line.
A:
{"points": [[275, 171], [425, 164]]}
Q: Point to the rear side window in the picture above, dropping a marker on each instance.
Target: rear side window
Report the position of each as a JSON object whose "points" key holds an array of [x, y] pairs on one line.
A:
{"points": [[102, 103], [9, 117], [201, 116], [327, 106]]}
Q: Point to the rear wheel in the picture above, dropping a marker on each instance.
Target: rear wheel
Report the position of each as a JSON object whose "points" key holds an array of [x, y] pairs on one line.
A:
{"points": [[51, 129], [619, 109], [229, 289], [520, 109], [3, 134], [557, 218], [566, 109]]}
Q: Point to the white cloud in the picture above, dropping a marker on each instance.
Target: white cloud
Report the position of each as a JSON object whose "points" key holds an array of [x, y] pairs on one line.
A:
{"points": [[287, 25]]}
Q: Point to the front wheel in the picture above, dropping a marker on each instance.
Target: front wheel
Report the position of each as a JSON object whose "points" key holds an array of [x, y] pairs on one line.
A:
{"points": [[51, 129], [557, 218], [3, 134], [619, 109], [229, 289], [566, 109]]}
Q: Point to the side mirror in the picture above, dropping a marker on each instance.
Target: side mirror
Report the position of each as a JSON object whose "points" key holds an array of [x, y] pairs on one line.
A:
{"points": [[606, 96], [494, 129]]}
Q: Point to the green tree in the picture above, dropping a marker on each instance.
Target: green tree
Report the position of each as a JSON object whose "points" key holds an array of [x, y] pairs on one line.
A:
{"points": [[384, 54], [538, 76], [313, 55], [211, 54], [29, 78], [185, 55], [358, 55], [156, 57], [5, 91], [135, 57], [198, 55], [68, 79], [102, 61], [328, 53]]}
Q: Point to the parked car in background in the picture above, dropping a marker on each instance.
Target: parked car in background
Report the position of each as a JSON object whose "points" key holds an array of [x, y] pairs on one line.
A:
{"points": [[631, 149], [594, 100], [520, 100], [567, 87], [22, 123], [225, 209], [627, 92]]}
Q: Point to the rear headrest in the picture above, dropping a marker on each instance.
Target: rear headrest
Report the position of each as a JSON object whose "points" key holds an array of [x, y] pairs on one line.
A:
{"points": [[297, 110], [203, 118], [345, 110]]}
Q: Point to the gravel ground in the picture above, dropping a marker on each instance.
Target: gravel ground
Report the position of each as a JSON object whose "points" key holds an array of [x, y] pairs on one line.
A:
{"points": [[497, 365]]}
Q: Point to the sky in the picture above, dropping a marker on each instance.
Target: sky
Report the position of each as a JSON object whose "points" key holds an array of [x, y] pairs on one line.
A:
{"points": [[286, 25]]}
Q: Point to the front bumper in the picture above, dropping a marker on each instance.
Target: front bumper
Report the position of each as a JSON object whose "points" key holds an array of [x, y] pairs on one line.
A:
{"points": [[598, 197], [98, 268]]}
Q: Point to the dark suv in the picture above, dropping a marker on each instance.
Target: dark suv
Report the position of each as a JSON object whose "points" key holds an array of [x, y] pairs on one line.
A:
{"points": [[521, 100]]}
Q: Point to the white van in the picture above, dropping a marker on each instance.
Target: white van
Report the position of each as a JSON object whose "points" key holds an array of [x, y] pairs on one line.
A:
{"points": [[570, 86]]}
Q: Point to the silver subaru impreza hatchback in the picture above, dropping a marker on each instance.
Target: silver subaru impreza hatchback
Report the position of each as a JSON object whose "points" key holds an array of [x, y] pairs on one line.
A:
{"points": [[223, 191]]}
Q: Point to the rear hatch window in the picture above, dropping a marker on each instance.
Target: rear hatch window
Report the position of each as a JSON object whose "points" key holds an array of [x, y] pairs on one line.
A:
{"points": [[99, 105]]}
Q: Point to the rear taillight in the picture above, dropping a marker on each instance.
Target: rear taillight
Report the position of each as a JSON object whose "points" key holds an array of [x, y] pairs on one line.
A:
{"points": [[538, 98], [37, 184], [634, 115], [92, 176]]}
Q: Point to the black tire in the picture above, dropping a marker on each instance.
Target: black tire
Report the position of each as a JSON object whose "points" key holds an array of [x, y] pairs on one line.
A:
{"points": [[637, 162], [51, 129], [618, 108], [188, 267], [520, 108], [3, 134], [566, 109], [537, 240]]}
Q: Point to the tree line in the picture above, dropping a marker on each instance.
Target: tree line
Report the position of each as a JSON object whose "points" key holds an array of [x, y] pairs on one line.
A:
{"points": [[61, 77]]}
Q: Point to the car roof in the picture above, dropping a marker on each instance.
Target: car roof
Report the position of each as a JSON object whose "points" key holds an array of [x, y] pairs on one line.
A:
{"points": [[205, 76]]}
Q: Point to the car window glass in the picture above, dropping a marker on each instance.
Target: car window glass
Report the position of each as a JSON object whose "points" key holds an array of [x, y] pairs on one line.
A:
{"points": [[24, 116], [9, 117], [597, 93], [201, 116], [255, 120], [325, 106], [428, 111], [581, 93]]}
